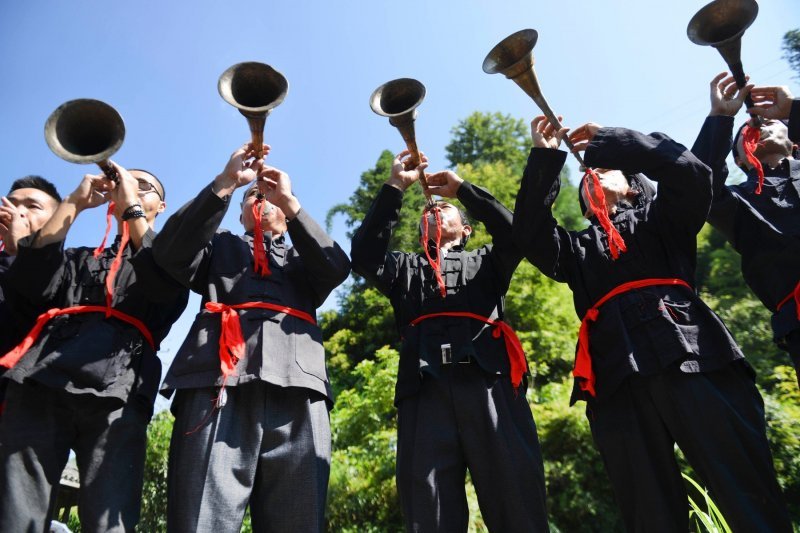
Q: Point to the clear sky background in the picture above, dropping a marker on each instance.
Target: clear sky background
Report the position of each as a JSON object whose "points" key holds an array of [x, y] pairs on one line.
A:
{"points": [[619, 63]]}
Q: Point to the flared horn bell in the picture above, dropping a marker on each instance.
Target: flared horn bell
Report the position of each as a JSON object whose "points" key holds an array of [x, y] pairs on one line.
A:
{"points": [[84, 131], [255, 89], [513, 57], [721, 24]]}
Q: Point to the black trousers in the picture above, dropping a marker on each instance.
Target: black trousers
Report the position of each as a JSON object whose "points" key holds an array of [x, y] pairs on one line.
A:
{"points": [[467, 419], [717, 420], [37, 430]]}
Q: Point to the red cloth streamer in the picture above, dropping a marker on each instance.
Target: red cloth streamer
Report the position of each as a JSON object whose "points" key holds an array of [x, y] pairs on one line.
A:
{"points": [[583, 360], [597, 203], [516, 355], [11, 358], [115, 266], [231, 340], [2, 245], [261, 264], [750, 138], [794, 295], [436, 265], [109, 217]]}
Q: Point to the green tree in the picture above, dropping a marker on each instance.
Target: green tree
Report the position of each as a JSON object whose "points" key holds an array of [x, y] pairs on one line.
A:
{"points": [[489, 138], [791, 49], [154, 493]]}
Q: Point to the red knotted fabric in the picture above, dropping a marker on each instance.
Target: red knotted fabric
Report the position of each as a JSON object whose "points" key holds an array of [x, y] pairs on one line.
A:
{"points": [[750, 139], [109, 216], [794, 295], [231, 340], [436, 264], [516, 355], [597, 203], [261, 262], [115, 266], [11, 358], [583, 360]]}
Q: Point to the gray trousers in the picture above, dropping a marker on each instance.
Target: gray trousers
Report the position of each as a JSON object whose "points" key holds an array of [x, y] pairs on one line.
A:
{"points": [[269, 447], [37, 430], [467, 419], [717, 420]]}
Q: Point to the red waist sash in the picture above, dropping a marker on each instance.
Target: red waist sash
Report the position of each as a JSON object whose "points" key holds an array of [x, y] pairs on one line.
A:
{"points": [[583, 360], [231, 340], [516, 356], [794, 295], [11, 358]]}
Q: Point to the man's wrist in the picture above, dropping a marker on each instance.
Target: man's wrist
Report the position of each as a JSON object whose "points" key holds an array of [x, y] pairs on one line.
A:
{"points": [[397, 184], [223, 186]]}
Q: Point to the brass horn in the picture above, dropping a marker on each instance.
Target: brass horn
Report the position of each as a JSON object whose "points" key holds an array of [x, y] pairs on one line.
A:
{"points": [[86, 131], [721, 24], [255, 89], [513, 57], [398, 100]]}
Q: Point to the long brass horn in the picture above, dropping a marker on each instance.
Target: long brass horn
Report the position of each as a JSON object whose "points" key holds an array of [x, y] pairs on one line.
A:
{"points": [[255, 89], [721, 24], [398, 100], [86, 131], [513, 57]]}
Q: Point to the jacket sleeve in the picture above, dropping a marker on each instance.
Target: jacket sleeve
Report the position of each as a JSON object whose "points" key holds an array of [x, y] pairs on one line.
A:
{"points": [[325, 262], [544, 243], [183, 247], [498, 222], [684, 182], [712, 147], [161, 287], [370, 248], [39, 274], [794, 121]]}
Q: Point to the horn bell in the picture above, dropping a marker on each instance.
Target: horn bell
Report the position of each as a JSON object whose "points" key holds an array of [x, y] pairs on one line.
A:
{"points": [[398, 100], [721, 22], [84, 131], [253, 88]]}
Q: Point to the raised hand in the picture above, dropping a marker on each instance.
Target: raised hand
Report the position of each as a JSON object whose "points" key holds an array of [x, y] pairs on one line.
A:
{"points": [[13, 226], [544, 134], [93, 190], [726, 97], [276, 186], [582, 136], [771, 102], [242, 168], [403, 174], [445, 183]]}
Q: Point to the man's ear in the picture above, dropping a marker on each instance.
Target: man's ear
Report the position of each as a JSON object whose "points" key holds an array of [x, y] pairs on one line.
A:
{"points": [[162, 206], [467, 231]]}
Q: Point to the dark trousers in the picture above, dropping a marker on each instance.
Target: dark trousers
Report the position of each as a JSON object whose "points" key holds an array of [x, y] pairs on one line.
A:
{"points": [[717, 420], [37, 430], [467, 419], [269, 447]]}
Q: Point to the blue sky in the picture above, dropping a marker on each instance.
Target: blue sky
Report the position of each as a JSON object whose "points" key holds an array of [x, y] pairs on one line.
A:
{"points": [[620, 63]]}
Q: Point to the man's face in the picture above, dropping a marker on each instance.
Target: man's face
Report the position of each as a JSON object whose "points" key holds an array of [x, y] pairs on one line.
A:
{"points": [[35, 207], [272, 217], [773, 139], [615, 187], [150, 195], [452, 226]]}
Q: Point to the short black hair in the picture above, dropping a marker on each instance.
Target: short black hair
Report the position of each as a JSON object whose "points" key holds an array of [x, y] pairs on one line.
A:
{"points": [[36, 182], [158, 181]]}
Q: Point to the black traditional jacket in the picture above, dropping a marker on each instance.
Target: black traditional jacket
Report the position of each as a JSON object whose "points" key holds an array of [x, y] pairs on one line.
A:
{"points": [[645, 330], [764, 228], [280, 349], [476, 282], [88, 353]]}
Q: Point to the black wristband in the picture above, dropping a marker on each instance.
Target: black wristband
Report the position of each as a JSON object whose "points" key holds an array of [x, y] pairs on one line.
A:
{"points": [[133, 211]]}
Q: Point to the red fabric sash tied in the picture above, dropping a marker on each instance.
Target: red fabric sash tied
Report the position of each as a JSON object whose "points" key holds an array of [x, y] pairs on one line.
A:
{"points": [[436, 264], [12, 358], [597, 203], [750, 138], [794, 295], [583, 360], [231, 340], [516, 355]]}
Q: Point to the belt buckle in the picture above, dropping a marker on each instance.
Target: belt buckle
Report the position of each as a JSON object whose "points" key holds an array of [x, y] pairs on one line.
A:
{"points": [[447, 354]]}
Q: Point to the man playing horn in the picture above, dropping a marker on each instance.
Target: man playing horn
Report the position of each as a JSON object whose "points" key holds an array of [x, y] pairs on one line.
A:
{"points": [[86, 375], [30, 203], [461, 384], [655, 365], [760, 217], [251, 409]]}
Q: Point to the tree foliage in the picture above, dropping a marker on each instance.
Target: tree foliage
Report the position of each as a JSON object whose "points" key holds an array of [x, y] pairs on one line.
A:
{"points": [[791, 49]]}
